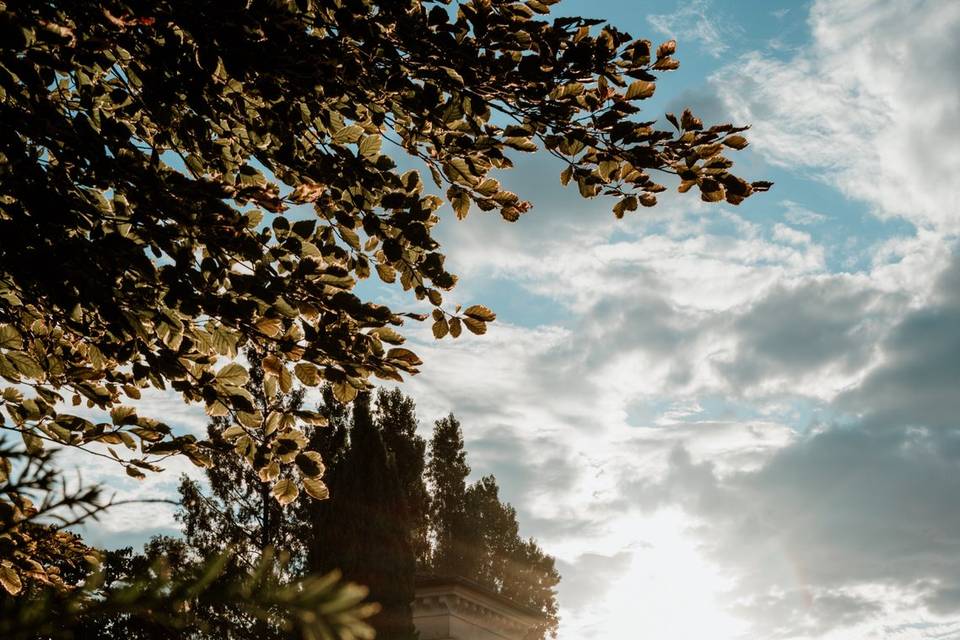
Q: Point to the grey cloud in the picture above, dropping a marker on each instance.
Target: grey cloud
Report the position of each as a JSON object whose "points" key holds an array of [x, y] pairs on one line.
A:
{"points": [[847, 507], [642, 318], [522, 465], [839, 510], [873, 502], [796, 330], [919, 383], [802, 612], [594, 574]]}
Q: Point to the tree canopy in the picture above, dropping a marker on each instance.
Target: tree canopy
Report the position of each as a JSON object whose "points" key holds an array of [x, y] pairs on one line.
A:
{"points": [[366, 530], [180, 181]]}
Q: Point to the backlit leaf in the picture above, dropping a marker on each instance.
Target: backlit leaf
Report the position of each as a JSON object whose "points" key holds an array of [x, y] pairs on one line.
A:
{"points": [[307, 373], [285, 491], [480, 312], [233, 374], [316, 488], [478, 327], [9, 579], [640, 90]]}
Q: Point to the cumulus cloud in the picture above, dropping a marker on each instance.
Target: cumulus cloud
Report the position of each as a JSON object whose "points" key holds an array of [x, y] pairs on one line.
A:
{"points": [[872, 106], [918, 383], [840, 523], [797, 214], [843, 528], [820, 332], [855, 524]]}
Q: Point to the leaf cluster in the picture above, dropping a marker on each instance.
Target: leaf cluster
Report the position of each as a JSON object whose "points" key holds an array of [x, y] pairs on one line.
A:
{"points": [[184, 180]]}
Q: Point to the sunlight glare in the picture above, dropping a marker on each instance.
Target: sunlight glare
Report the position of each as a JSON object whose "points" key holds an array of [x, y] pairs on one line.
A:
{"points": [[671, 591]]}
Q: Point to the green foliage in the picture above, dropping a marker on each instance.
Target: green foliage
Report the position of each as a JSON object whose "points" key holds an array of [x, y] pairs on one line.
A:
{"points": [[56, 586], [36, 508], [501, 560], [396, 418], [158, 151], [379, 511], [170, 602], [364, 530], [245, 507], [183, 180], [478, 537], [447, 472]]}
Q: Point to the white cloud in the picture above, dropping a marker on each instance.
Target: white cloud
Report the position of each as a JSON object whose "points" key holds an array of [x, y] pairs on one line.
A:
{"points": [[681, 307], [799, 215], [790, 235], [694, 21], [872, 106]]}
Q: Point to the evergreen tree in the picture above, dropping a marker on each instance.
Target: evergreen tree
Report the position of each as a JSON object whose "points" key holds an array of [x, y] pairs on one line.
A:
{"points": [[123, 566], [491, 533], [531, 580], [478, 537], [396, 418], [447, 472], [332, 440], [376, 469], [503, 561], [363, 530]]}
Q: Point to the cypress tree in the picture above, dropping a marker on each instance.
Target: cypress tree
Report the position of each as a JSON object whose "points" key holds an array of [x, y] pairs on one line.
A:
{"points": [[364, 530], [447, 472], [396, 418]]}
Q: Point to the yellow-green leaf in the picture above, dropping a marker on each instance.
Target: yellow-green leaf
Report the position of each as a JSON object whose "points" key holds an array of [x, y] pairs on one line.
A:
{"points": [[33, 443], [387, 273], [269, 472], [10, 580], [404, 355], [388, 335], [478, 327], [269, 326], [640, 90], [285, 491], [310, 464], [350, 237], [316, 488], [344, 392], [480, 312], [370, 147], [10, 337], [349, 134], [455, 327], [233, 432], [307, 373], [233, 374], [735, 142]]}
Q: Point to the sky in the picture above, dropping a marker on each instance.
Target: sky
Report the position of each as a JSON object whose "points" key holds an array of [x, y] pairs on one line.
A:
{"points": [[726, 422]]}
